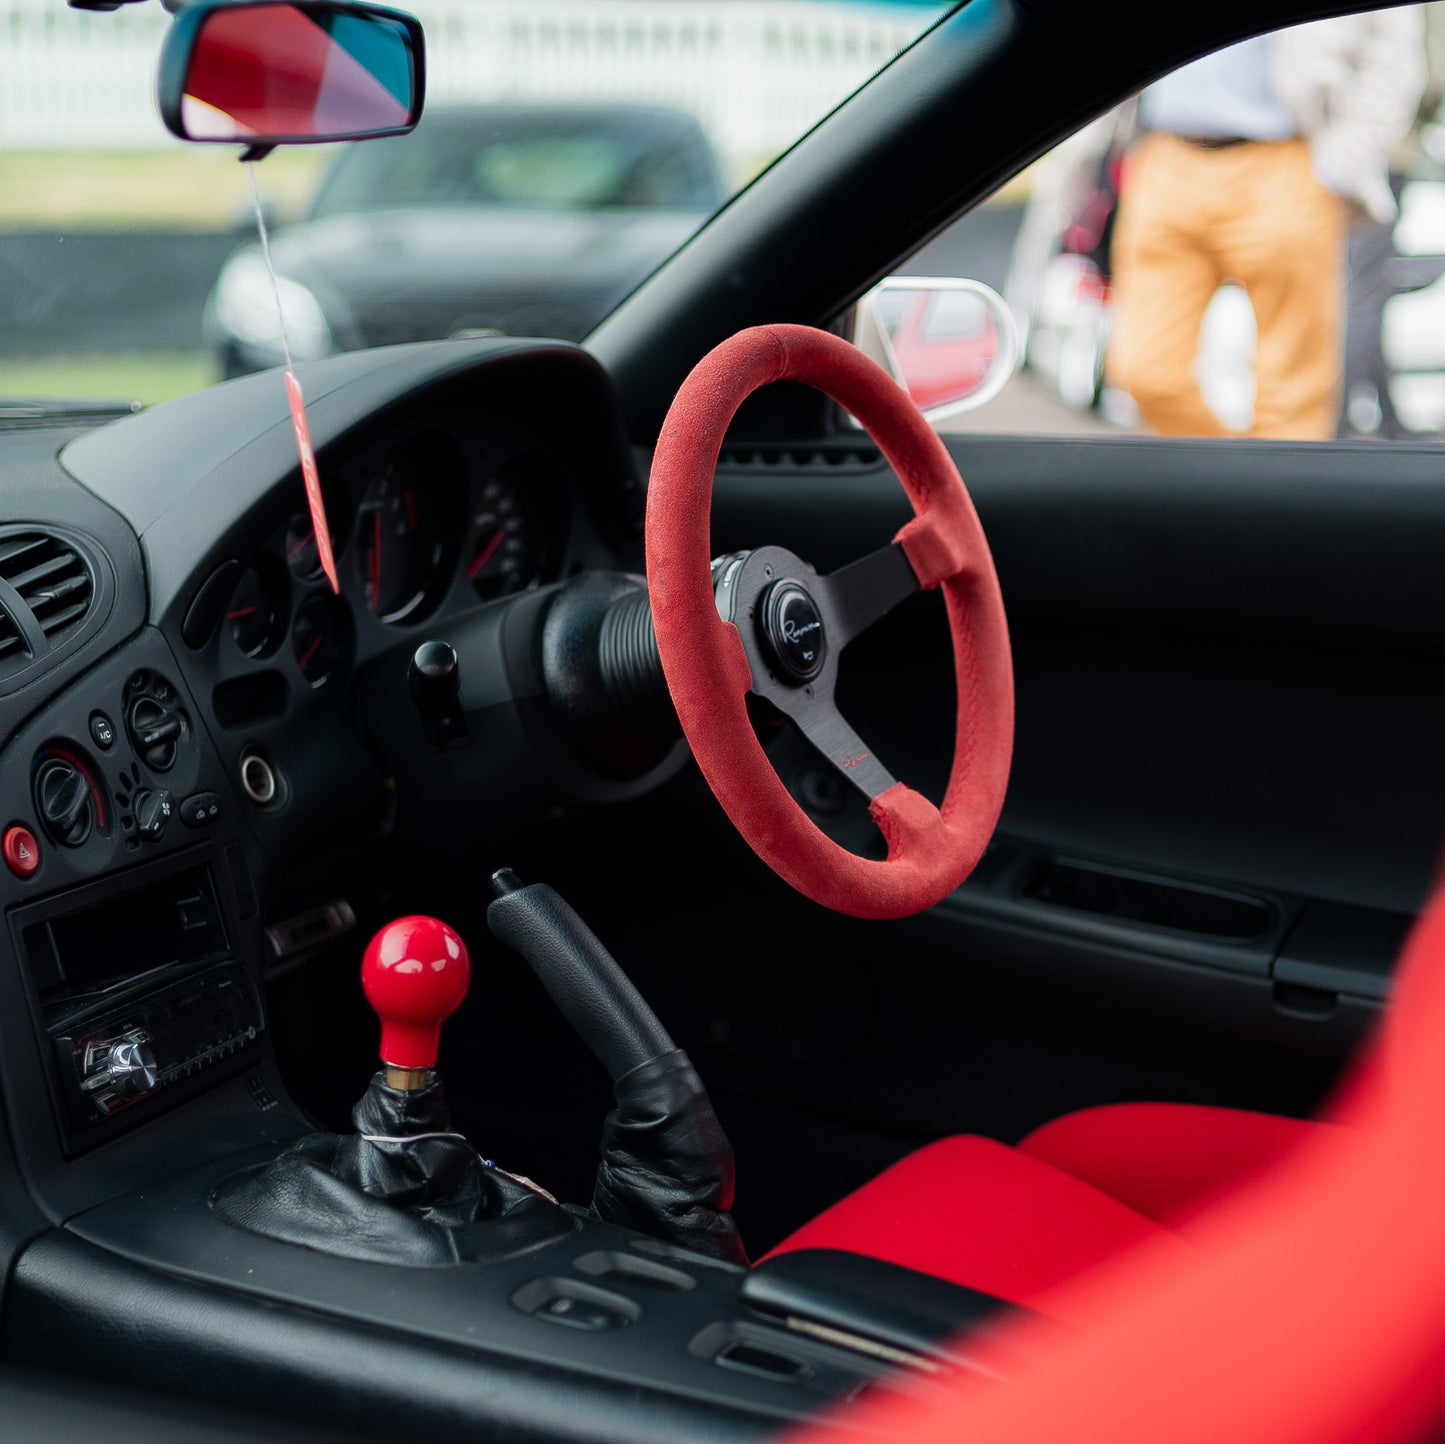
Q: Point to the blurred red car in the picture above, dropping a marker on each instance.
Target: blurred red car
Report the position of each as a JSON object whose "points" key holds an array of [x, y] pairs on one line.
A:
{"points": [[946, 342]]}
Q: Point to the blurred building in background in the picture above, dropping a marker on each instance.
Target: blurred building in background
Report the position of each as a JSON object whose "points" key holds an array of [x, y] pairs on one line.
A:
{"points": [[112, 233], [756, 73]]}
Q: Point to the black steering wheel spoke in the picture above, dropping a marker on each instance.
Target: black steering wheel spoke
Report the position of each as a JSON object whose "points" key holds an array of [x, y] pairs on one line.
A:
{"points": [[790, 619], [833, 738], [861, 593]]}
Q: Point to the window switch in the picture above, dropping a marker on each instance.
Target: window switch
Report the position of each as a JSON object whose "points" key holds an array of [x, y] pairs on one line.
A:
{"points": [[582, 1314]]}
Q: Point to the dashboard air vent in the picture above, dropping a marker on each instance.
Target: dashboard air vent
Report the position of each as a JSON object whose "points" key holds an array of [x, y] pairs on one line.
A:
{"points": [[834, 457], [53, 580], [13, 650]]}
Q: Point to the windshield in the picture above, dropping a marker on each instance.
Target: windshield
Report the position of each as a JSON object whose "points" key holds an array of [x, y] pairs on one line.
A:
{"points": [[534, 157], [567, 149]]}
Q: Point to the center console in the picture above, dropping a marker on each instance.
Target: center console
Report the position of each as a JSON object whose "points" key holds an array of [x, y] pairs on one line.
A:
{"points": [[143, 1094], [359, 1281], [629, 1337], [134, 1033]]}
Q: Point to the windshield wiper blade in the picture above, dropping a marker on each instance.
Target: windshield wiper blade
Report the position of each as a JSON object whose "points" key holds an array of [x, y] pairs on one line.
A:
{"points": [[20, 412]]}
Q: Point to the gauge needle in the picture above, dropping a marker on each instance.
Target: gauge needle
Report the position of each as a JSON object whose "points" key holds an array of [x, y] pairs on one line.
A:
{"points": [[300, 546], [310, 651], [485, 555], [240, 612], [376, 562]]}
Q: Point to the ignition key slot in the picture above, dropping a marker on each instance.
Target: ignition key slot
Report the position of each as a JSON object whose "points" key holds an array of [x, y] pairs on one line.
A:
{"points": [[259, 778]]}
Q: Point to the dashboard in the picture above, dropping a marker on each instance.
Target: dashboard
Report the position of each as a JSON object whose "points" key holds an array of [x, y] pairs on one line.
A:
{"points": [[211, 751], [210, 733], [429, 521], [456, 475]]}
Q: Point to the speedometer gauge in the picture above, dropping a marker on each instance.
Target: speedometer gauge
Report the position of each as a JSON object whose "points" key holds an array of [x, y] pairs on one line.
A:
{"points": [[407, 514]]}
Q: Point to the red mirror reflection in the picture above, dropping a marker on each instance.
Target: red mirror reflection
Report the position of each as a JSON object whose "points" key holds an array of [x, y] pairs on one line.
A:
{"points": [[950, 342], [271, 72], [946, 342]]}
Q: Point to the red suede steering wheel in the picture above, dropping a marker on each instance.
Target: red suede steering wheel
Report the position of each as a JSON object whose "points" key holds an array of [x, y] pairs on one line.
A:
{"points": [[767, 623]]}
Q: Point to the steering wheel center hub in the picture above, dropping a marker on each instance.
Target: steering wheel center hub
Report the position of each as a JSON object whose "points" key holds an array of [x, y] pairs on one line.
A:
{"points": [[792, 631]]}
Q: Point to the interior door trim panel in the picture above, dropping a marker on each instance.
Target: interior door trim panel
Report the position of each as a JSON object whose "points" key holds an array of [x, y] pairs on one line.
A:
{"points": [[1227, 654]]}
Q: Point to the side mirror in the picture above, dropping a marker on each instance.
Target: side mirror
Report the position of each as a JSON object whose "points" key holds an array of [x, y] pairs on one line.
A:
{"points": [[951, 344], [291, 72]]}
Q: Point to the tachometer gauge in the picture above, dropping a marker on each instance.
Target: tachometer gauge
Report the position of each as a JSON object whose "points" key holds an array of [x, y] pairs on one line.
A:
{"points": [[398, 549], [256, 610], [407, 528], [318, 638], [508, 548]]}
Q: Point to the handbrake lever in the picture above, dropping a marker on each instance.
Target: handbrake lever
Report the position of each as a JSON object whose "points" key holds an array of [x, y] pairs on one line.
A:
{"points": [[667, 1167], [582, 977]]}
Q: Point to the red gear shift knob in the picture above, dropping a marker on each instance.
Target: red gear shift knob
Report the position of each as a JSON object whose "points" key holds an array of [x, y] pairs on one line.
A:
{"points": [[415, 975]]}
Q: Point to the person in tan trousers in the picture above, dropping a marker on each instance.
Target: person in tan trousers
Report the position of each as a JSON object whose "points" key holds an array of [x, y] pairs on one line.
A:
{"points": [[1245, 170]]}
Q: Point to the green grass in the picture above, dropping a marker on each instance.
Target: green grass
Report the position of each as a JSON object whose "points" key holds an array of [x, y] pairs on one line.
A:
{"points": [[148, 376], [192, 187]]}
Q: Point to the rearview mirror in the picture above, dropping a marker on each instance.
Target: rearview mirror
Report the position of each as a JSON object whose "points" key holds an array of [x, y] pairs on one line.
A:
{"points": [[951, 344], [291, 72]]}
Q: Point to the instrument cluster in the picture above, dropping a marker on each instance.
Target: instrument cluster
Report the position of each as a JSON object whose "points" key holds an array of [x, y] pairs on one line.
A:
{"points": [[428, 520]]}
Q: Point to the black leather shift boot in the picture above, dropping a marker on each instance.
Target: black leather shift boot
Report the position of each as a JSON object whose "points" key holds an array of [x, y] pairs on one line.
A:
{"points": [[404, 1188], [406, 1153], [667, 1166]]}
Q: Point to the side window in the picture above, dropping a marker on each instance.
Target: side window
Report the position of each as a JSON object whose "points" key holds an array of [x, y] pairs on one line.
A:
{"points": [[1253, 246]]}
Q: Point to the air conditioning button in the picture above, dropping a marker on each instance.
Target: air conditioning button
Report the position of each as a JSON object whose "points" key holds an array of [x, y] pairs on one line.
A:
{"points": [[102, 731]]}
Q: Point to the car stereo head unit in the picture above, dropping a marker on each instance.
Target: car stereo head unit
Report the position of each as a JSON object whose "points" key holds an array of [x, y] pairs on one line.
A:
{"points": [[139, 996]]}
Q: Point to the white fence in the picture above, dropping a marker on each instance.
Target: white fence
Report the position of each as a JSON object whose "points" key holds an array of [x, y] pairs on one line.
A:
{"points": [[756, 72]]}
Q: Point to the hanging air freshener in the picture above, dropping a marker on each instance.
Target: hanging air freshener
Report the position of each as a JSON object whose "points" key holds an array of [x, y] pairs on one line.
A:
{"points": [[309, 474]]}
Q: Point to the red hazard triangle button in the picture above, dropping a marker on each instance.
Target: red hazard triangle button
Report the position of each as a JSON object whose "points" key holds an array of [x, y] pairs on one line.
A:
{"points": [[22, 852]]}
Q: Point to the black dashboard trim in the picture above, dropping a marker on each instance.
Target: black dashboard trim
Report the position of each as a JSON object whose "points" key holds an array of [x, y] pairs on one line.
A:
{"points": [[234, 443]]}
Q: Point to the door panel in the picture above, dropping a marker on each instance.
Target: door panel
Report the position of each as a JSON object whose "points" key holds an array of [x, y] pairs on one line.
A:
{"points": [[1229, 680], [1228, 655]]}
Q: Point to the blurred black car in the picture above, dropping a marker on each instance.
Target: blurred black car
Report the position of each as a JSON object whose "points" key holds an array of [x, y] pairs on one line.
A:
{"points": [[532, 220]]}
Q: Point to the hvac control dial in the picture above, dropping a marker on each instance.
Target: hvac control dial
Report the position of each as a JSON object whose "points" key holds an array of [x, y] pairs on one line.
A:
{"points": [[68, 795], [153, 808], [156, 724]]}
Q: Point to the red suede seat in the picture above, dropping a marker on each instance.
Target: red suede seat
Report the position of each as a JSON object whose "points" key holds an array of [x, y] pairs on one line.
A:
{"points": [[1019, 1223], [1308, 1305], [1167, 1161]]}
